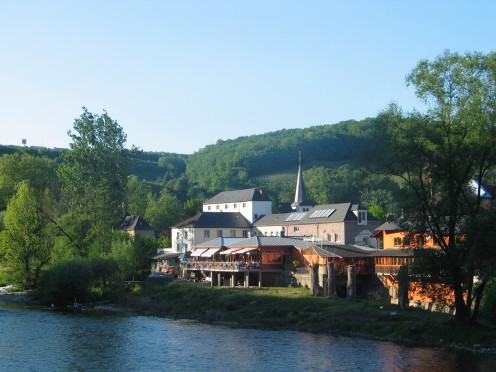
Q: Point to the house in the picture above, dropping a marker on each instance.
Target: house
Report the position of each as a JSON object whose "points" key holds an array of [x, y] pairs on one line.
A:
{"points": [[251, 203], [341, 256], [206, 226], [395, 248], [136, 226], [343, 223], [255, 261]]}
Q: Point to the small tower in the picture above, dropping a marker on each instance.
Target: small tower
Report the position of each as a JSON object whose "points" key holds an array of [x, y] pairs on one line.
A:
{"points": [[299, 202]]}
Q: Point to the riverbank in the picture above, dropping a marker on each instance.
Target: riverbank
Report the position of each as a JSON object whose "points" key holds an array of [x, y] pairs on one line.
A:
{"points": [[295, 309]]}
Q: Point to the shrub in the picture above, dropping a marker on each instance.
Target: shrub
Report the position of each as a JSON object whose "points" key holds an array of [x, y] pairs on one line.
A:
{"points": [[66, 281]]}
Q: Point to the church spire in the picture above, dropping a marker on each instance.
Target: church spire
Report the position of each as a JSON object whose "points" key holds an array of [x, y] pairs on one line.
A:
{"points": [[299, 186]]}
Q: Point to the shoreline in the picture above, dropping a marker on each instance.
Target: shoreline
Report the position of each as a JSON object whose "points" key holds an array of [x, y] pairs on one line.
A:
{"points": [[261, 309]]}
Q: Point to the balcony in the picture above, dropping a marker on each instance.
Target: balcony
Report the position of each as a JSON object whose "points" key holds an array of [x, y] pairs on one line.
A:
{"points": [[220, 266]]}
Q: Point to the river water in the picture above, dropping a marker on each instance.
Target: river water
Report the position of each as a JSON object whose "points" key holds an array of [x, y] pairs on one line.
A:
{"points": [[37, 339]]}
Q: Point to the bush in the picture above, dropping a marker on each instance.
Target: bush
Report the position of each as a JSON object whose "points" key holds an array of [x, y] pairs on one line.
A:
{"points": [[488, 308], [66, 281]]}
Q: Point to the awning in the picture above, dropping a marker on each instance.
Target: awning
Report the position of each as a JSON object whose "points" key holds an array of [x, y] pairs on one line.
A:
{"points": [[230, 250], [210, 252], [198, 252], [244, 250]]}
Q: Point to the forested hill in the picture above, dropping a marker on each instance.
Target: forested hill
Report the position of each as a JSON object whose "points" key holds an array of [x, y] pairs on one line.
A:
{"points": [[331, 162], [234, 163]]}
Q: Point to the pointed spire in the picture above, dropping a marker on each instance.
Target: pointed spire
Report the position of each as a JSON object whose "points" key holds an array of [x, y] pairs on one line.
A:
{"points": [[299, 186]]}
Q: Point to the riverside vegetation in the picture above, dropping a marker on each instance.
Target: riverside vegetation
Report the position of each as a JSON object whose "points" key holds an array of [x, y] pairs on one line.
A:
{"points": [[296, 309]]}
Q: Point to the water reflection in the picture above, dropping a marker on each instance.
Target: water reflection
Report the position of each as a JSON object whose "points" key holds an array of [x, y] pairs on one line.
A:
{"points": [[40, 340]]}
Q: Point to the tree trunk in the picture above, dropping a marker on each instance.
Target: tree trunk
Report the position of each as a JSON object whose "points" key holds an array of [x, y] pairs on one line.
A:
{"points": [[331, 280], [314, 272], [403, 284], [351, 286]]}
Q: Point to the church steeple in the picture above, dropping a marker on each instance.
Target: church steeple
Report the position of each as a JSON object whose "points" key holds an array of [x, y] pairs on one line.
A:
{"points": [[298, 200]]}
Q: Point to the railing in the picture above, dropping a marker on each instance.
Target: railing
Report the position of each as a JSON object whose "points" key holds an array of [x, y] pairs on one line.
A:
{"points": [[220, 266], [387, 269]]}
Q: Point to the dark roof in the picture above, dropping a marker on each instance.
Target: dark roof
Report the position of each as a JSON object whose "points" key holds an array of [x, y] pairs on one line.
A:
{"points": [[341, 251], [388, 226], [216, 220], [342, 212], [133, 223], [394, 252], [238, 196]]}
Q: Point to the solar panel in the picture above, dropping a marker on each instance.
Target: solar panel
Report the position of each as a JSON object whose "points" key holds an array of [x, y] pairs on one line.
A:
{"points": [[322, 213], [294, 217]]}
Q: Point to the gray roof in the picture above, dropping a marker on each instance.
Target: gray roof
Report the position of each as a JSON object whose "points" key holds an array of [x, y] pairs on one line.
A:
{"points": [[133, 223], [238, 196], [216, 220], [220, 242], [343, 212], [341, 251], [396, 252], [388, 226], [273, 241]]}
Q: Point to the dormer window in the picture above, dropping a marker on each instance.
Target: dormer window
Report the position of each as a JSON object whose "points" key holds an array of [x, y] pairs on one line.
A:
{"points": [[362, 217]]}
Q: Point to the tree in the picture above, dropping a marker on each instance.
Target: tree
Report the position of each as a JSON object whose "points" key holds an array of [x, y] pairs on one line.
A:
{"points": [[438, 153], [39, 172], [94, 176], [137, 194], [27, 240], [163, 212]]}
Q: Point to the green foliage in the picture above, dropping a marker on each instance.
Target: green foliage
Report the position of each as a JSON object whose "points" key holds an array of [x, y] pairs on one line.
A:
{"points": [[137, 195], [437, 154], [38, 172], [66, 281], [163, 212], [94, 174], [133, 256], [488, 309], [27, 240]]}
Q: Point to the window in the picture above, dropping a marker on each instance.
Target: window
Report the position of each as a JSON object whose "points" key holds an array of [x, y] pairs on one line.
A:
{"points": [[217, 207], [185, 235], [362, 217], [209, 207], [235, 206], [336, 237], [219, 233], [245, 233], [233, 233], [296, 229], [177, 235], [397, 241], [244, 205], [256, 216], [206, 233], [226, 206]]}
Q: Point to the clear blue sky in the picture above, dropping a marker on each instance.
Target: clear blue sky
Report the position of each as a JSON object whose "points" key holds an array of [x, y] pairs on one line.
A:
{"points": [[180, 75]]}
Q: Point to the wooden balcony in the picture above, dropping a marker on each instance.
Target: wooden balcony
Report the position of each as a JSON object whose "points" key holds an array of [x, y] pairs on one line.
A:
{"points": [[219, 266]]}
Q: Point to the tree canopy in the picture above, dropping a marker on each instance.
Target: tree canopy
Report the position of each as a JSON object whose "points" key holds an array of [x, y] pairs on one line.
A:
{"points": [[438, 153]]}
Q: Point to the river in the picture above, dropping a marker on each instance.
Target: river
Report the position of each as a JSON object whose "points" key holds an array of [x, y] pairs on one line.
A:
{"points": [[38, 339]]}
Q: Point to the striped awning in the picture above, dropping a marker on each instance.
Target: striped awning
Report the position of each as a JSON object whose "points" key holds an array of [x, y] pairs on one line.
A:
{"points": [[230, 250], [198, 252], [210, 252], [244, 250]]}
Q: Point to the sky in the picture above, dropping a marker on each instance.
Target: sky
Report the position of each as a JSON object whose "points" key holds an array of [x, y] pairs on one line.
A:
{"points": [[181, 75]]}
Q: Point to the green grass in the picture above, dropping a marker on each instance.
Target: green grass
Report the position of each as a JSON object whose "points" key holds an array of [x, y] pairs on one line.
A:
{"points": [[296, 309]]}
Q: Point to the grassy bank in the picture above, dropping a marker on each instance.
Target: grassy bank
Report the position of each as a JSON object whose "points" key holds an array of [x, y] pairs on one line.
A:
{"points": [[296, 309]]}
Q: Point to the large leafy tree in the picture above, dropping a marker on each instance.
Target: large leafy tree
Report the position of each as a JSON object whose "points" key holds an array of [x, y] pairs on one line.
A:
{"points": [[27, 239], [94, 174], [437, 154], [164, 211]]}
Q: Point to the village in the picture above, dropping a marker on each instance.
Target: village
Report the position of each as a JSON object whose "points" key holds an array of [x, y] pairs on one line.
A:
{"points": [[333, 250]]}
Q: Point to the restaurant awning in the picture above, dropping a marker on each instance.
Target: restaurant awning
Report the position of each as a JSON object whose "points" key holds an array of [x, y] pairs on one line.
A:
{"points": [[244, 250], [198, 252], [230, 250], [210, 252]]}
